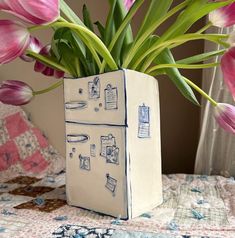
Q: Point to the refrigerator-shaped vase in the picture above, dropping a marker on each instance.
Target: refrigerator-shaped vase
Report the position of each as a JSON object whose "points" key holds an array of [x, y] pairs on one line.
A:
{"points": [[113, 147]]}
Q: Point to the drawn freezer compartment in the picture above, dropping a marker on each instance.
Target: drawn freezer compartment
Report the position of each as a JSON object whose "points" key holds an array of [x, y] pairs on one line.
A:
{"points": [[144, 122]]}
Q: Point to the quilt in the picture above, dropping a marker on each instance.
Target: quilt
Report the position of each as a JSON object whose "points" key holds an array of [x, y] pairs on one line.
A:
{"points": [[194, 207]]}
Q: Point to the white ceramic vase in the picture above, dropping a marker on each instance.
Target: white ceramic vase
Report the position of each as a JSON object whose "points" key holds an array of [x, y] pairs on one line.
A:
{"points": [[113, 148]]}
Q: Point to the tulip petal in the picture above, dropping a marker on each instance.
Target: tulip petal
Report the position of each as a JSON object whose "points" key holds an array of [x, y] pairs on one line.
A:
{"points": [[44, 69], [46, 10], [128, 3], [36, 12], [15, 39], [39, 67], [58, 74], [225, 116], [228, 69], [35, 46], [15, 92], [223, 17]]}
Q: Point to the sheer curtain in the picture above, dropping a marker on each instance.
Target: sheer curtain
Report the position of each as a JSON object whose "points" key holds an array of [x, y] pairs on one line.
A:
{"points": [[216, 149]]}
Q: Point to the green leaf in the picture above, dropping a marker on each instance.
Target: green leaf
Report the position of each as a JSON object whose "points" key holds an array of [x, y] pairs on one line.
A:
{"points": [[101, 29], [196, 10], [69, 13], [110, 26], [69, 58], [156, 10], [86, 18], [201, 57], [123, 27], [89, 56], [167, 58], [119, 15], [88, 37], [144, 48], [68, 36]]}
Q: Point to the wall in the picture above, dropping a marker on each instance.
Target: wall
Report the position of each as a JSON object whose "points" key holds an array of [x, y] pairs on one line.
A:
{"points": [[179, 118]]}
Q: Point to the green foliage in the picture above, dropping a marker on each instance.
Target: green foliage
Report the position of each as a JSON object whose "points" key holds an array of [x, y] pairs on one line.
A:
{"points": [[78, 49]]}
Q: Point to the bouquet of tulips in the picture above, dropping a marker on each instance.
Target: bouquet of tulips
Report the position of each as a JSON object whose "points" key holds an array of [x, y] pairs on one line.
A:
{"points": [[77, 50]]}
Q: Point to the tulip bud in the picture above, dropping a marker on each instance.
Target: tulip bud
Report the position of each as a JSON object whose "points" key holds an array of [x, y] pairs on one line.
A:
{"points": [[37, 12], [15, 92], [128, 4], [228, 69], [225, 116], [44, 69], [224, 16], [35, 46], [15, 39]]}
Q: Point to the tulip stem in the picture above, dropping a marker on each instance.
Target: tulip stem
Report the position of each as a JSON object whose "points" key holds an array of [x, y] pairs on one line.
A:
{"points": [[207, 26], [47, 61], [53, 86], [180, 66], [199, 90], [93, 39]]}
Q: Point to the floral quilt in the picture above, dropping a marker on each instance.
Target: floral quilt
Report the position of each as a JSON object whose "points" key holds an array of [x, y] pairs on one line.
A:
{"points": [[194, 207]]}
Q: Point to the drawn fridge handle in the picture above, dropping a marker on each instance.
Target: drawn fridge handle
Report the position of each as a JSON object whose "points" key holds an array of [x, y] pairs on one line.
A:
{"points": [[76, 105], [77, 138]]}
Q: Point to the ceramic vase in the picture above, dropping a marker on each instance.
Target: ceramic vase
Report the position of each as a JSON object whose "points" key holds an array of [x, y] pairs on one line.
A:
{"points": [[113, 146]]}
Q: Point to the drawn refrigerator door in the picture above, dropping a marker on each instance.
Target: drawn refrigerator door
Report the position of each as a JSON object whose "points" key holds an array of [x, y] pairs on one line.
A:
{"points": [[112, 154]]}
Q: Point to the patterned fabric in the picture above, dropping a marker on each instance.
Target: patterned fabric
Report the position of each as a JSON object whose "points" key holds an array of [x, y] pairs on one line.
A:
{"points": [[194, 207], [23, 148], [82, 231]]}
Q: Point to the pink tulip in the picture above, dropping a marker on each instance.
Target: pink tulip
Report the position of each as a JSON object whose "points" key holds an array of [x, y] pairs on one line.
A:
{"points": [[37, 12], [35, 46], [15, 92], [42, 68], [223, 17], [15, 39], [225, 116], [128, 4], [228, 69]]}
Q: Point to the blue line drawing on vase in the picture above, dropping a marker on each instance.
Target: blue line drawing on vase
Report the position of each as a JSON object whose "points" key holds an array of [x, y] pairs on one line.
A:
{"points": [[111, 184], [112, 153], [94, 88], [93, 150], [106, 141], [144, 122], [76, 105], [111, 97], [77, 138], [85, 162]]}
